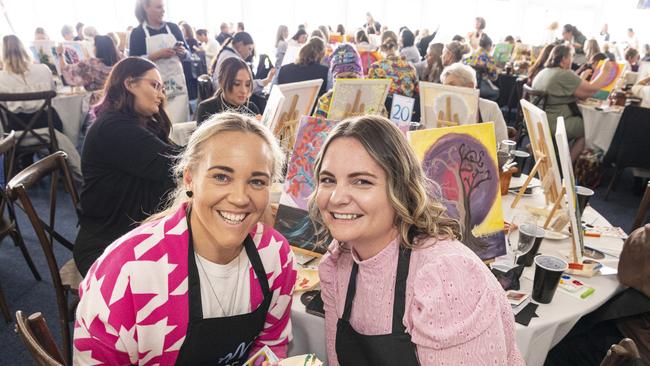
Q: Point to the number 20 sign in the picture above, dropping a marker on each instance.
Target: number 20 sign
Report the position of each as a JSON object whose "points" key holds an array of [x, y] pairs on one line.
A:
{"points": [[402, 109]]}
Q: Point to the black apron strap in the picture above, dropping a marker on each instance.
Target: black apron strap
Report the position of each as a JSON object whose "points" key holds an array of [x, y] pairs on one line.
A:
{"points": [[399, 302], [193, 282], [352, 289], [258, 267]]}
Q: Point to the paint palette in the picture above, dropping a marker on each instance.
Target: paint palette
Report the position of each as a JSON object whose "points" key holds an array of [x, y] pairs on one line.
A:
{"points": [[306, 280]]}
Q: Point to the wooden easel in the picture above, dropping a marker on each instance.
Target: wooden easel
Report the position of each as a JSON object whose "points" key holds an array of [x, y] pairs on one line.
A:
{"points": [[356, 109], [544, 165], [447, 119], [285, 129]]}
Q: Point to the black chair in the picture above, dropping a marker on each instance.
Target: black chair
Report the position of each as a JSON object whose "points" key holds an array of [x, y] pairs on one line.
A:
{"points": [[630, 147], [65, 279], [11, 120], [8, 223], [264, 66], [205, 90]]}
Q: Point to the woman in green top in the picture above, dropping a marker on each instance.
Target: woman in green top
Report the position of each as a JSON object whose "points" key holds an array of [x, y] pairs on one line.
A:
{"points": [[563, 88]]}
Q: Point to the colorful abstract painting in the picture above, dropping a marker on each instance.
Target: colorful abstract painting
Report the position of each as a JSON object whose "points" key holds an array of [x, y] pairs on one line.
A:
{"points": [[442, 105], [292, 219], [73, 52], [461, 162], [575, 216], [611, 78], [358, 97], [502, 53]]}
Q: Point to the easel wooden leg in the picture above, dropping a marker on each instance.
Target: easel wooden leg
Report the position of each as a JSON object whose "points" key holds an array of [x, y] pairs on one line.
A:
{"points": [[526, 183], [556, 205]]}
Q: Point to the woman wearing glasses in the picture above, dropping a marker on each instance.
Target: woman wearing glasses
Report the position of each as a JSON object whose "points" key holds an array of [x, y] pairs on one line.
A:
{"points": [[125, 159]]}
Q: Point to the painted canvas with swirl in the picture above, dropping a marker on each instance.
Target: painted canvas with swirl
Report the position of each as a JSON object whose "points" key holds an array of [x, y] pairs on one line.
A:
{"points": [[462, 165], [292, 219]]}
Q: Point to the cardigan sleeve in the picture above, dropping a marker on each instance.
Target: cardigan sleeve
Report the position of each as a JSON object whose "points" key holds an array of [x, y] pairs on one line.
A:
{"points": [[327, 272], [460, 313], [277, 328]]}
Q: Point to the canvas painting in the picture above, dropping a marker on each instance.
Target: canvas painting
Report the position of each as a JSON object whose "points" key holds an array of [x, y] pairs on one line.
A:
{"points": [[73, 52], [575, 216], [542, 144], [502, 53], [358, 97], [292, 219], [44, 52], [446, 105], [282, 115], [461, 162], [611, 78]]}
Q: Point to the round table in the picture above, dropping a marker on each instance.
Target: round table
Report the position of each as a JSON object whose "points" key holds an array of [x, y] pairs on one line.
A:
{"points": [[535, 340]]}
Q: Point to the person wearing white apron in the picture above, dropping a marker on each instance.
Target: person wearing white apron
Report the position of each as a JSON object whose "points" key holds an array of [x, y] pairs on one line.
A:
{"points": [[164, 50]]}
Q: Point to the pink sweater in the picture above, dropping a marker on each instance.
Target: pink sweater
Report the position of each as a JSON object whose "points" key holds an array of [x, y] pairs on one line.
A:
{"points": [[134, 300], [456, 311]]}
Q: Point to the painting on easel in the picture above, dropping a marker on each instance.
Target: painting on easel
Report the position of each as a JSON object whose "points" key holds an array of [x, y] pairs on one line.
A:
{"points": [[354, 97], [446, 105], [287, 103], [611, 78], [461, 162], [546, 164], [44, 52], [292, 220], [575, 216]]}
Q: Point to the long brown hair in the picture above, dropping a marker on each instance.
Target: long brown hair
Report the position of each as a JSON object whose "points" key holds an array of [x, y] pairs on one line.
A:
{"points": [[417, 214], [228, 73], [312, 52], [116, 97], [558, 53], [16, 60], [539, 63]]}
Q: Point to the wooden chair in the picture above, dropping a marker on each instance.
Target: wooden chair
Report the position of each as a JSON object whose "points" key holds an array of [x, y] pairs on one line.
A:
{"points": [[65, 279], [8, 225], [641, 214], [36, 335], [624, 353], [29, 141]]}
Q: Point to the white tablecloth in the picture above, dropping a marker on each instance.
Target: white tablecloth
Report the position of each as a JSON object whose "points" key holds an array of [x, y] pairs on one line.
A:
{"points": [[535, 340], [72, 108], [599, 126]]}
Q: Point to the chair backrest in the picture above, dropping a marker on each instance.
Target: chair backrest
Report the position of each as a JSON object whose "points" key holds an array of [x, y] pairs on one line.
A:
{"points": [[630, 147], [264, 66], [206, 88], [537, 97], [17, 192], [6, 116], [36, 335], [7, 145]]}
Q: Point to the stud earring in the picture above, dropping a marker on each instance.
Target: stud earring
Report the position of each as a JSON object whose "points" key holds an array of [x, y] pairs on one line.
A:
{"points": [[189, 194]]}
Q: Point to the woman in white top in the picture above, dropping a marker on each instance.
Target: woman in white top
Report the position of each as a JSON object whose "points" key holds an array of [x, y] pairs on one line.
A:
{"points": [[408, 50], [462, 75], [20, 75]]}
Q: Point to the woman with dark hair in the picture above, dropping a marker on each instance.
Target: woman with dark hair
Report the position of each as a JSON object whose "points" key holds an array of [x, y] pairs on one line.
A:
{"points": [[486, 69], [408, 49], [126, 158], [299, 38], [91, 73], [398, 286], [239, 46], [563, 88], [475, 36], [163, 43], [307, 66], [233, 95], [340, 29], [574, 38]]}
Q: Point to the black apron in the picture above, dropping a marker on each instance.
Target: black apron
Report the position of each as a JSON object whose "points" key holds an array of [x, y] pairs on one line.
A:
{"points": [[395, 348], [227, 340]]}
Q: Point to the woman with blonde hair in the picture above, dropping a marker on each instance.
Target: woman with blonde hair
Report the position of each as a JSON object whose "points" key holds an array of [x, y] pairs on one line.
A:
{"points": [[203, 281], [397, 285], [281, 44], [395, 67], [591, 48]]}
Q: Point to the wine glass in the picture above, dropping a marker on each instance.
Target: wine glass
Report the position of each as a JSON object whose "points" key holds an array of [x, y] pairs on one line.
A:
{"points": [[522, 231], [504, 152]]}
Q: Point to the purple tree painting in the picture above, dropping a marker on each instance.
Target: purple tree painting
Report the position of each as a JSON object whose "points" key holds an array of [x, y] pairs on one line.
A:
{"points": [[466, 179]]}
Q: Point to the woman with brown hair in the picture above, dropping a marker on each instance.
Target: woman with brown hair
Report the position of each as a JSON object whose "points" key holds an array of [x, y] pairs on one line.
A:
{"points": [[539, 63], [398, 287], [233, 95], [126, 158], [395, 67], [308, 66]]}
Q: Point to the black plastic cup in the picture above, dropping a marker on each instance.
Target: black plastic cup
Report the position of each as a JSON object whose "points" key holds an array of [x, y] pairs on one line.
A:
{"points": [[583, 194], [520, 159], [548, 270], [538, 235]]}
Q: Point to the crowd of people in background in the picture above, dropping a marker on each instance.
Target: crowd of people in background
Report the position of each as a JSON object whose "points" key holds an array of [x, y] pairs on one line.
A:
{"points": [[147, 78]]}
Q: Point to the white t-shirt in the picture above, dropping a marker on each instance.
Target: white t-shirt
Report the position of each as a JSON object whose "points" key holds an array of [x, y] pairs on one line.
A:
{"points": [[37, 78], [231, 284], [490, 112]]}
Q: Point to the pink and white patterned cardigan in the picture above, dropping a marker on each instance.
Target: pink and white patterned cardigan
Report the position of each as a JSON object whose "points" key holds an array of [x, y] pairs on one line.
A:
{"points": [[134, 299]]}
